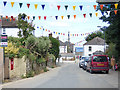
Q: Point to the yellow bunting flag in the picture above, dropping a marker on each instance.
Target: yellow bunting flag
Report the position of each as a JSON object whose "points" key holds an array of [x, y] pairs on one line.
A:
{"points": [[40, 27], [74, 16], [116, 5], [12, 3], [28, 17], [115, 11], [101, 6], [96, 14], [74, 7], [95, 6], [56, 32], [62, 17], [36, 5]]}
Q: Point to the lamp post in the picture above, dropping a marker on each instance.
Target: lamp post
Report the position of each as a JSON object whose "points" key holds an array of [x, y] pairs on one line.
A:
{"points": [[104, 35]]}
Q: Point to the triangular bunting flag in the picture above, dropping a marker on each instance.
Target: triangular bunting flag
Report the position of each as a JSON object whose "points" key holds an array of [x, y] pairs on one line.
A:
{"points": [[33, 17], [37, 27], [68, 16], [58, 7], [115, 11], [81, 7], [62, 17], [12, 17], [39, 17], [108, 12], [20, 4], [102, 13], [5, 2], [101, 6], [56, 32], [116, 5], [96, 14], [44, 17], [84, 15], [46, 30], [43, 6], [28, 17], [28, 5], [61, 33], [90, 14], [36, 5], [74, 16], [95, 6], [109, 6], [12, 3], [56, 17], [66, 6], [6, 17], [74, 7]]}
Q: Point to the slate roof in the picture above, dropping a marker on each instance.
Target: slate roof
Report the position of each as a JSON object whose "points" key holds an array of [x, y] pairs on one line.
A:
{"points": [[95, 41], [62, 43], [9, 24]]}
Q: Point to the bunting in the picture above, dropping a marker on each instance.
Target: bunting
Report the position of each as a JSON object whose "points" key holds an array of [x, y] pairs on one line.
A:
{"points": [[58, 6], [74, 8], [28, 17], [96, 14], [68, 16], [36, 5], [39, 17], [101, 6], [116, 5], [90, 14], [33, 17], [56, 17], [74, 16], [12, 4], [62, 17], [28, 5], [95, 6], [84, 15], [81, 7], [43, 6], [4, 2], [44, 17], [20, 4], [115, 12], [66, 6]]}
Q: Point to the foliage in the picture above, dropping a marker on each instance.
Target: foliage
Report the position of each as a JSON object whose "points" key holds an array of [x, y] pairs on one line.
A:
{"points": [[11, 50], [112, 31], [25, 28], [93, 35], [54, 49], [51, 56], [45, 70], [30, 74]]}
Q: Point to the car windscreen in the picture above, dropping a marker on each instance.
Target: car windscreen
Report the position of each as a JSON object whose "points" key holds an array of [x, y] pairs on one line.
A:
{"points": [[99, 59], [86, 58]]}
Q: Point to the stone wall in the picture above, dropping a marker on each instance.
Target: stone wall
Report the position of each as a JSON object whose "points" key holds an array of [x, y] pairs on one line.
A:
{"points": [[19, 68]]}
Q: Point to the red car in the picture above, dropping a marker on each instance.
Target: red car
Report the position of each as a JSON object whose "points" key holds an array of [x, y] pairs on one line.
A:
{"points": [[98, 63]]}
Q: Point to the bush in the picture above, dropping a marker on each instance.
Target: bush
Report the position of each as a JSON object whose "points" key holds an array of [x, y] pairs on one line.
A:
{"points": [[30, 74], [45, 70]]}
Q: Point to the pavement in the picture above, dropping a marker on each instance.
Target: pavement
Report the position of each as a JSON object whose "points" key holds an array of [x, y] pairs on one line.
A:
{"points": [[68, 75]]}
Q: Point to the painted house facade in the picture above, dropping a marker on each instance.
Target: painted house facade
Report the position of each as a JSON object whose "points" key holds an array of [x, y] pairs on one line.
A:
{"points": [[96, 44]]}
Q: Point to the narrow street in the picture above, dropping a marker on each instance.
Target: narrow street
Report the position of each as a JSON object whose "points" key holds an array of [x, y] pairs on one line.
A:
{"points": [[69, 75]]}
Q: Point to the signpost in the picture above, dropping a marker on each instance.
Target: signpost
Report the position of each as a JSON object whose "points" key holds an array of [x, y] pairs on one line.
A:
{"points": [[4, 41]]}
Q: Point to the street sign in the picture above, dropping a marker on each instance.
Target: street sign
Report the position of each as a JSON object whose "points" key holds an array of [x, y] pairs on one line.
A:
{"points": [[4, 42]]}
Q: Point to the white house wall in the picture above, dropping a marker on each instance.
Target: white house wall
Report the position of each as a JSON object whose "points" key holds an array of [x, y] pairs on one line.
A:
{"points": [[94, 49], [63, 49]]}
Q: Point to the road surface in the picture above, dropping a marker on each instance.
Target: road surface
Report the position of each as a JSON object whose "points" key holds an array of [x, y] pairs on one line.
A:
{"points": [[69, 75]]}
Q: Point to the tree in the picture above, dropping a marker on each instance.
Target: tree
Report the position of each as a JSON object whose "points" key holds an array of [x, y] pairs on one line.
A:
{"points": [[54, 49], [95, 34], [112, 31], [25, 28]]}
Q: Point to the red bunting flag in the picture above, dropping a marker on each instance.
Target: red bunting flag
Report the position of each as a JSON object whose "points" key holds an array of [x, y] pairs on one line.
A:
{"points": [[84, 15], [6, 17], [74, 16], [12, 17], [44, 17], [101, 6], [39, 17], [115, 12], [58, 7], [28, 5], [95, 6]]}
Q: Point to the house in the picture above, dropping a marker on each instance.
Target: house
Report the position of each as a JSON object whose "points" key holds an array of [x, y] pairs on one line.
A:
{"points": [[94, 45], [63, 47]]}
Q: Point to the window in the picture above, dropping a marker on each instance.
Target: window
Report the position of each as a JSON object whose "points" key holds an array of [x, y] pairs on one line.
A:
{"points": [[99, 59], [90, 48]]}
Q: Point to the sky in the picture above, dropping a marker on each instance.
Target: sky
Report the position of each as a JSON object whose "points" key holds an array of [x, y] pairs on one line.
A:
{"points": [[80, 25]]}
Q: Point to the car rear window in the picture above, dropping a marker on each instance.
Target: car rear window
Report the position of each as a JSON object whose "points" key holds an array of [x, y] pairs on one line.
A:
{"points": [[99, 59]]}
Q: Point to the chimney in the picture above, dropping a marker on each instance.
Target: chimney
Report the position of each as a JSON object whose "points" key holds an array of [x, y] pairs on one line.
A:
{"points": [[50, 35]]}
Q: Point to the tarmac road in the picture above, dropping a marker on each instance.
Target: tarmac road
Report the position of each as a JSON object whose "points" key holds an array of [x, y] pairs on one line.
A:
{"points": [[69, 75]]}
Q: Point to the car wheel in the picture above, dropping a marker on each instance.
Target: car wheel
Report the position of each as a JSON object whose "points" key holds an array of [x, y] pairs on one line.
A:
{"points": [[91, 71], [107, 72], [80, 66]]}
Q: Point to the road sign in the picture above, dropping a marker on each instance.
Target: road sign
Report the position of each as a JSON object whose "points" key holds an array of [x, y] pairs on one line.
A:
{"points": [[4, 42]]}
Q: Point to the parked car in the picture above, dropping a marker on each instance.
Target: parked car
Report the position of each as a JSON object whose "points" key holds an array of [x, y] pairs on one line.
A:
{"points": [[85, 63], [82, 61], [98, 63]]}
